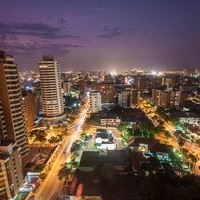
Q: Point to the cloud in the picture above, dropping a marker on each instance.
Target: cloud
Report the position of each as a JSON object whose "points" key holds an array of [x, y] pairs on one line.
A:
{"points": [[61, 21], [35, 49], [32, 29], [2, 37], [99, 7], [112, 32], [145, 33]]}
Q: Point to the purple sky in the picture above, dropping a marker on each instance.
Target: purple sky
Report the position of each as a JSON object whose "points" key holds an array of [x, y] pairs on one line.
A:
{"points": [[102, 34]]}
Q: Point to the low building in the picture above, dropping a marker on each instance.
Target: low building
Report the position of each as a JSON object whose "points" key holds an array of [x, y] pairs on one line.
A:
{"points": [[105, 140], [98, 167], [110, 122], [189, 117], [162, 151], [152, 146]]}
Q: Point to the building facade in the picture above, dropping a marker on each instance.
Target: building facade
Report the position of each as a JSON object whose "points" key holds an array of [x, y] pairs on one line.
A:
{"points": [[30, 109], [168, 99], [124, 98], [107, 92], [11, 177], [134, 98], [66, 86], [11, 100], [2, 123], [95, 101], [52, 99]]}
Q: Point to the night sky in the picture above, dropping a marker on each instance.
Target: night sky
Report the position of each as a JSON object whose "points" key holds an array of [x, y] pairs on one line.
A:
{"points": [[102, 34]]}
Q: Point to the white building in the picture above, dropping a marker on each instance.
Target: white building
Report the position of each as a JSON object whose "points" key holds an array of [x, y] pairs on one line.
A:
{"points": [[95, 101], [52, 99]]}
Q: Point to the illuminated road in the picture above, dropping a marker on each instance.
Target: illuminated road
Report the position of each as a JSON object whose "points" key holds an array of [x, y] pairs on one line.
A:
{"points": [[192, 147], [52, 186]]}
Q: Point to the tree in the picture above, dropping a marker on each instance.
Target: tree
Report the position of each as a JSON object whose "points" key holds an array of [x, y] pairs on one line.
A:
{"points": [[65, 132], [181, 142], [106, 173], [194, 159], [154, 164], [93, 120], [65, 172], [146, 128], [174, 119], [43, 176], [162, 187], [122, 127], [142, 128], [167, 134], [39, 167], [40, 136]]}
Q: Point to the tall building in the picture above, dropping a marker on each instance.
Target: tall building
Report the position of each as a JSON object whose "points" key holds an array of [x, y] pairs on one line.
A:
{"points": [[107, 92], [95, 101], [124, 98], [66, 87], [11, 100], [134, 98], [82, 86], [52, 99], [11, 177], [2, 123], [30, 111], [168, 99]]}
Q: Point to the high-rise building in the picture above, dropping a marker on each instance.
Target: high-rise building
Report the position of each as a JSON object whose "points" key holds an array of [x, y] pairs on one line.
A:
{"points": [[168, 99], [66, 87], [82, 86], [134, 98], [2, 123], [107, 92], [11, 177], [30, 111], [11, 100], [95, 101], [124, 98], [52, 99]]}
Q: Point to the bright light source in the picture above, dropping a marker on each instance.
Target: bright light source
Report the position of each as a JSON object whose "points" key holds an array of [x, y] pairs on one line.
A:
{"points": [[154, 73], [113, 73]]}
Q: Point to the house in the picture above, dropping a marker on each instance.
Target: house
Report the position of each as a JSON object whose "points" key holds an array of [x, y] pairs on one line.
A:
{"points": [[104, 175], [110, 121], [142, 144], [105, 140], [152, 146], [162, 151], [188, 117]]}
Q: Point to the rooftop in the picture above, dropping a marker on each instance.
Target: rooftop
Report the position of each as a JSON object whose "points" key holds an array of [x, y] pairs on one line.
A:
{"points": [[114, 157]]}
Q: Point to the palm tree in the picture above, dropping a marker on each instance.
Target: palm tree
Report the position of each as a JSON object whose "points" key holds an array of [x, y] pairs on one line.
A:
{"points": [[65, 172], [181, 144], [143, 128], [194, 159]]}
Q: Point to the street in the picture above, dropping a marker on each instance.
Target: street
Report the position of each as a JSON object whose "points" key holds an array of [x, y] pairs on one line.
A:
{"points": [[52, 186]]}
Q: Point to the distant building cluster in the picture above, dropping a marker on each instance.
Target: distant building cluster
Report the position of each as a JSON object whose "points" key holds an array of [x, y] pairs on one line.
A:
{"points": [[48, 97]]}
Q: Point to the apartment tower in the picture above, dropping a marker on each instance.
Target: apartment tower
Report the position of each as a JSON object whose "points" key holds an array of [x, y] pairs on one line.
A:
{"points": [[30, 111], [11, 177], [52, 100], [11, 101], [95, 101], [107, 92]]}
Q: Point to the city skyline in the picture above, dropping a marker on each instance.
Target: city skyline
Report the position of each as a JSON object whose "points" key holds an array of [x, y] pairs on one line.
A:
{"points": [[83, 35]]}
